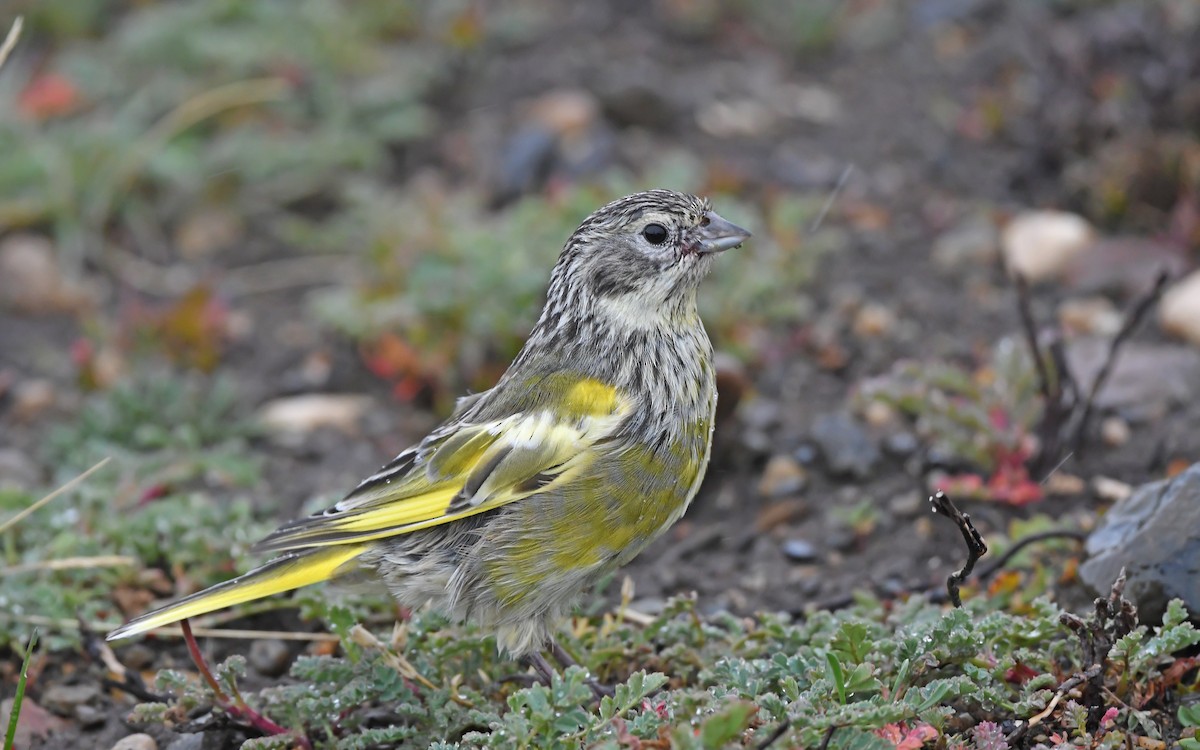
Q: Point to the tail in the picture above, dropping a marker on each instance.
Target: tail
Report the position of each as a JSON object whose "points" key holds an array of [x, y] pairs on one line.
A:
{"points": [[281, 574]]}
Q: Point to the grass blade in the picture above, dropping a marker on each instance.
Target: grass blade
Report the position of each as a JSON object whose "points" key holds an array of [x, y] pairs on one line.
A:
{"points": [[19, 698]]}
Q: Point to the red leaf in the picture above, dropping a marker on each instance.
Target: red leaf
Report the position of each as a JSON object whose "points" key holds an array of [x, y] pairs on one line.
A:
{"points": [[48, 95], [1020, 673]]}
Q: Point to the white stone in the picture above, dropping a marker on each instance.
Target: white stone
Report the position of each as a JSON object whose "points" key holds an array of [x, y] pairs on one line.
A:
{"points": [[309, 412], [1179, 309], [1040, 244]]}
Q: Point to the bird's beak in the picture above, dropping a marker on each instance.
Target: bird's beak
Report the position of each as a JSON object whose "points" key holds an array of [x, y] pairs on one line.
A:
{"points": [[715, 235]]}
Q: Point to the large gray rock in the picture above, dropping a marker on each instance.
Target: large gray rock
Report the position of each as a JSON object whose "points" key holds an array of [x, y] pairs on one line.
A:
{"points": [[1155, 535]]}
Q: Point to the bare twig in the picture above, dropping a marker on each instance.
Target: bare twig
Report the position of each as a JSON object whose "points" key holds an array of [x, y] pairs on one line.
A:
{"points": [[1066, 411], [999, 563], [1141, 306], [833, 195], [70, 563], [1065, 687], [5, 526], [10, 41], [976, 547], [1056, 408]]}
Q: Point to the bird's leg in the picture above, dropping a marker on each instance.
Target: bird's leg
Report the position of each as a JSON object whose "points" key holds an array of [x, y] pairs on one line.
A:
{"points": [[599, 689], [541, 666], [561, 656]]}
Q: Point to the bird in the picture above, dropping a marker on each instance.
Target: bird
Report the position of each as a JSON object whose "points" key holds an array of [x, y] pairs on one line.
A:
{"points": [[592, 444]]}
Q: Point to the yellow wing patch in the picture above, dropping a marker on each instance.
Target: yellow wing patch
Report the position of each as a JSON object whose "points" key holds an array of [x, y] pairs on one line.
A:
{"points": [[471, 470]]}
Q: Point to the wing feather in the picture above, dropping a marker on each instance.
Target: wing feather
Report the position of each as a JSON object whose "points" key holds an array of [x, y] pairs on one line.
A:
{"points": [[459, 471]]}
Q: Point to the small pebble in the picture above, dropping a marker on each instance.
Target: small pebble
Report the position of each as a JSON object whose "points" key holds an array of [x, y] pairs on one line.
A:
{"points": [[973, 243], [873, 320], [798, 550], [879, 414], [1040, 244], [782, 476], [139, 656], [1090, 316], [806, 454], [31, 398], [1112, 490], [89, 717], [31, 279], [1115, 432], [908, 504], [18, 471], [846, 447], [308, 412], [270, 658], [900, 444], [136, 742], [189, 741], [649, 605], [64, 698]]}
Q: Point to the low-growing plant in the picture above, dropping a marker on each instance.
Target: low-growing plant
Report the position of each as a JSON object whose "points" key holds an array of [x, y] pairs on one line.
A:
{"points": [[875, 676], [982, 417]]}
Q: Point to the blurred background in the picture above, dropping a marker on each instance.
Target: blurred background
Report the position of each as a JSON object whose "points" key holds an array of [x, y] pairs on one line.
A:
{"points": [[251, 250]]}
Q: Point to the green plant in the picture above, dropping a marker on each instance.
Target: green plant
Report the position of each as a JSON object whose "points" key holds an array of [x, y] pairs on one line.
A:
{"points": [[984, 417], [14, 715]]}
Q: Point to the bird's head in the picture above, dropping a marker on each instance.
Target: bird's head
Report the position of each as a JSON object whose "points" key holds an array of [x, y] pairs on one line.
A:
{"points": [[644, 254]]}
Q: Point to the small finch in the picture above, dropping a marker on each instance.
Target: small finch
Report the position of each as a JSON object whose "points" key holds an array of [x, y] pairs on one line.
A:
{"points": [[590, 446]]}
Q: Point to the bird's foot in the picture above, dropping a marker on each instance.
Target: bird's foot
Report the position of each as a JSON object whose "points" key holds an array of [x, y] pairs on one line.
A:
{"points": [[599, 689]]}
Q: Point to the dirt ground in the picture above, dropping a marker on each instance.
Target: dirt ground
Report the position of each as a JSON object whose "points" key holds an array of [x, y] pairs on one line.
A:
{"points": [[915, 171]]}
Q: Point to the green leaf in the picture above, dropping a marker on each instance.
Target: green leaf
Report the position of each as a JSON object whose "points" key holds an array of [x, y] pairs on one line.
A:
{"points": [[725, 727], [1189, 715], [836, 676]]}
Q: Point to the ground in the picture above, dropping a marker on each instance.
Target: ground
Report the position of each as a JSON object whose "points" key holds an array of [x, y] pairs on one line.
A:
{"points": [[892, 127]]}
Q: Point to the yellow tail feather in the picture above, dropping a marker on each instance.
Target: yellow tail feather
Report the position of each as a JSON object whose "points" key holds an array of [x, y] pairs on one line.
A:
{"points": [[279, 575]]}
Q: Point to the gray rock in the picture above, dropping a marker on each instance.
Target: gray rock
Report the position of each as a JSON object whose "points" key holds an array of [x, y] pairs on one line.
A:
{"points": [[63, 699], [1153, 535], [1145, 379], [270, 658], [846, 447]]}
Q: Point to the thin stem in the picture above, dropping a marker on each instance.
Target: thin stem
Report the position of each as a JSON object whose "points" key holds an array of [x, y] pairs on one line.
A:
{"points": [[976, 547]]}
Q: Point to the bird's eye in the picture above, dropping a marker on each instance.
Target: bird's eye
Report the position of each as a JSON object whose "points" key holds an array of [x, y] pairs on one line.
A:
{"points": [[655, 234]]}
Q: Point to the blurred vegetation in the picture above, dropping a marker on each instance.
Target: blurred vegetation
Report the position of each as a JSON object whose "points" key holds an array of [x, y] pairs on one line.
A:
{"points": [[284, 126], [149, 524]]}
